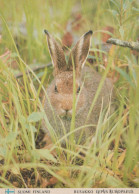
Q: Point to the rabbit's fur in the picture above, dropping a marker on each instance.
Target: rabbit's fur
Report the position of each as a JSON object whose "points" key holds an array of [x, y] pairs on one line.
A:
{"points": [[60, 90]]}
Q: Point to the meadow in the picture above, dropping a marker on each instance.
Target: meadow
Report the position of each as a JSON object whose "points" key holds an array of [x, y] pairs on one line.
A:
{"points": [[112, 158]]}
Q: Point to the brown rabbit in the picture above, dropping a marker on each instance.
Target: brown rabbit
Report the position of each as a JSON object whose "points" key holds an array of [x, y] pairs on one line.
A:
{"points": [[60, 91]]}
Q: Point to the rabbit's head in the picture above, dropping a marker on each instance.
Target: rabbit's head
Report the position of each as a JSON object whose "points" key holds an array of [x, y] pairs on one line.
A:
{"points": [[61, 89]]}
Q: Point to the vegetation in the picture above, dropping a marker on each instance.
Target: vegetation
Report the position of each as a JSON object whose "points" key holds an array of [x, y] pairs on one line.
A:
{"points": [[108, 159]]}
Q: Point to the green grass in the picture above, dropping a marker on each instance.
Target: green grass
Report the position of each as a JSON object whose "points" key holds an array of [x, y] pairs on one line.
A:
{"points": [[109, 158]]}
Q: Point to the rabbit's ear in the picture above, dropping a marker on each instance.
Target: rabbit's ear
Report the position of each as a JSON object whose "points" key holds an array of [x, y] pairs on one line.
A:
{"points": [[80, 52], [57, 54]]}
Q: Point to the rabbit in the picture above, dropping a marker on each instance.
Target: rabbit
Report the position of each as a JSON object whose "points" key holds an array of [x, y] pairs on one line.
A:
{"points": [[60, 90]]}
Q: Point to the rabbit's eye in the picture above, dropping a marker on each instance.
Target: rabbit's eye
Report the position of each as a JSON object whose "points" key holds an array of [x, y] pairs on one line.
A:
{"points": [[56, 89], [78, 90]]}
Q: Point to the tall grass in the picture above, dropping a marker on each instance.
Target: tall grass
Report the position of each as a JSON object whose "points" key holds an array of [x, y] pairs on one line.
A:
{"points": [[110, 157]]}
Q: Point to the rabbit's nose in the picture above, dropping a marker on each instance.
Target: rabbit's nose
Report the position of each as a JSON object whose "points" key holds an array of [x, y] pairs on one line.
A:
{"points": [[66, 105], [66, 110]]}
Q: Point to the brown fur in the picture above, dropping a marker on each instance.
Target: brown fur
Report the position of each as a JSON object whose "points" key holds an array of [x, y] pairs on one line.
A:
{"points": [[60, 91]]}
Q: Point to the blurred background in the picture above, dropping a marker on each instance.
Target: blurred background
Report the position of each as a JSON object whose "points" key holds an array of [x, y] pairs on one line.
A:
{"points": [[67, 21]]}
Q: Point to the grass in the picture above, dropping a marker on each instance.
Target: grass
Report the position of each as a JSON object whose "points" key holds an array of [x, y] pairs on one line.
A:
{"points": [[109, 158]]}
